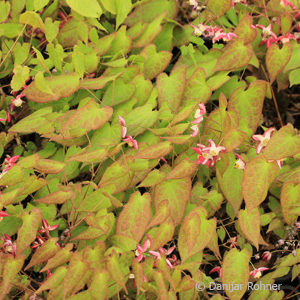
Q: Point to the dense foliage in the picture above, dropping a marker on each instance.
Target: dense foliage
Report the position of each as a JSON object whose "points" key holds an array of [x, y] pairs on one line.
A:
{"points": [[149, 149]]}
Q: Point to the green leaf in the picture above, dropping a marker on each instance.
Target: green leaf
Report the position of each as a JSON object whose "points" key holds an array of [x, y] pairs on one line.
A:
{"points": [[248, 105], [44, 253], [58, 197], [41, 83], [12, 266], [118, 92], [171, 88], [62, 86], [78, 62], [52, 29], [155, 151], [33, 19], [283, 143], [218, 8], [135, 216], [123, 8], [230, 180], [4, 10], [289, 200], [185, 168], [155, 62], [294, 77], [233, 139], [140, 119], [195, 233], [277, 59], [244, 30], [236, 55], [99, 291], [28, 230], [88, 8], [21, 74], [77, 269], [177, 191], [236, 273], [54, 281], [21, 52], [161, 215], [197, 88], [39, 4], [153, 178], [147, 11], [258, 175], [114, 268], [250, 225], [49, 166]]}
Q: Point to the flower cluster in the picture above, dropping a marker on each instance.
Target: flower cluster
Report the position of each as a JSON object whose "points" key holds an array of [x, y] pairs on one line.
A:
{"points": [[142, 252], [44, 231], [207, 155], [9, 246], [127, 138], [256, 273], [269, 37], [200, 112], [213, 32]]}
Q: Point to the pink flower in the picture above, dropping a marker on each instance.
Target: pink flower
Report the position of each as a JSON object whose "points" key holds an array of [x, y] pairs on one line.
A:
{"points": [[140, 251], [200, 29], [217, 269], [171, 262], [49, 274], [9, 162], [3, 214], [131, 142], [263, 139], [123, 124], [285, 3], [40, 241], [268, 36], [226, 37], [46, 228], [286, 38], [200, 112], [257, 272], [208, 155], [8, 245], [240, 163], [266, 256], [195, 129], [279, 163], [16, 102]]}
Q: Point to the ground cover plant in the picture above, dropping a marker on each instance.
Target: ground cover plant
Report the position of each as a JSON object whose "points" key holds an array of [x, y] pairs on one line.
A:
{"points": [[149, 149]]}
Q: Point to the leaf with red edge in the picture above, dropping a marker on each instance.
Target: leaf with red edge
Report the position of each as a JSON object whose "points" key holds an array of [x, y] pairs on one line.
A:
{"points": [[60, 258], [155, 151], [114, 268], [135, 216], [49, 166], [283, 143], [177, 191], [12, 266], [43, 253], [162, 234], [233, 139], [185, 168], [58, 197], [250, 225], [54, 281], [235, 272], [171, 88], [155, 62], [248, 105], [161, 214], [236, 55], [88, 117], [277, 59], [244, 30], [77, 269], [99, 285], [28, 230], [138, 272], [218, 8], [197, 88], [195, 233], [289, 200], [97, 83], [258, 175], [61, 85]]}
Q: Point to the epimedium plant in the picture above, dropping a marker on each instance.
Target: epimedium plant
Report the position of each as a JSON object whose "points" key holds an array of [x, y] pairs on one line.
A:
{"points": [[136, 161]]}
